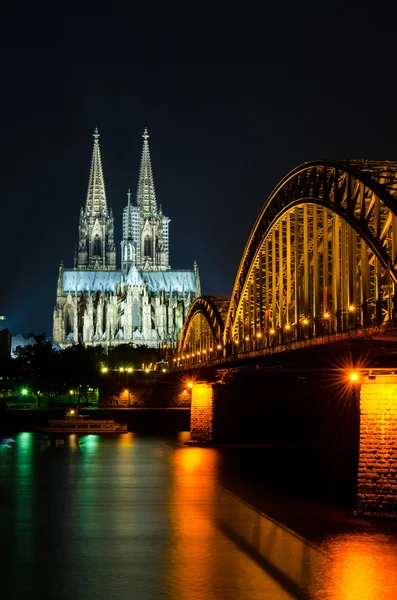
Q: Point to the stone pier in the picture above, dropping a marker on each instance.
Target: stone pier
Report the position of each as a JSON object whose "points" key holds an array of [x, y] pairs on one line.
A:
{"points": [[202, 413], [377, 472]]}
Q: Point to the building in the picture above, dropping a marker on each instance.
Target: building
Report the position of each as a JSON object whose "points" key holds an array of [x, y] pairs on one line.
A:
{"points": [[142, 302], [5, 344], [21, 340]]}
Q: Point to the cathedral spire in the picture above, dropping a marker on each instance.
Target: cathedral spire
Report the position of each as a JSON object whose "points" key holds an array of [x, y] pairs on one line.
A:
{"points": [[146, 196], [96, 248], [96, 195]]}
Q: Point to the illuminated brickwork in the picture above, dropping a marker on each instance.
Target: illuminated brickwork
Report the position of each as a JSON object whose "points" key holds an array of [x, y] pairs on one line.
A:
{"points": [[202, 413], [182, 399], [377, 473]]}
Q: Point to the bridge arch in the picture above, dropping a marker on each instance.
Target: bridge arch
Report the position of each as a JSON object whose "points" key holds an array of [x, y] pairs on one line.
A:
{"points": [[202, 331], [321, 256]]}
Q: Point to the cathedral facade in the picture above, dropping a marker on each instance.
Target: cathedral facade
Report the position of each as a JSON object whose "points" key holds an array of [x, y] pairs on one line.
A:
{"points": [[143, 301]]}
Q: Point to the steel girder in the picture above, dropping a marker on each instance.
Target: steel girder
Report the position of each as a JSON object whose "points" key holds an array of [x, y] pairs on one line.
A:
{"points": [[356, 226], [204, 323]]}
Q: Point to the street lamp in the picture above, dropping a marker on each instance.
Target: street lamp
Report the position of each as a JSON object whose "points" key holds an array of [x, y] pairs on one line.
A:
{"points": [[352, 319], [327, 322], [305, 323]]}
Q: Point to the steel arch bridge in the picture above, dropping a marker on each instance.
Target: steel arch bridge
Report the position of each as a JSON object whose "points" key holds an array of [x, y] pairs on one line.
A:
{"points": [[321, 258], [202, 331]]}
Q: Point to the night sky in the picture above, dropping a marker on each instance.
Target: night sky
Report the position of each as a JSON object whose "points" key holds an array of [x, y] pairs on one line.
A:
{"points": [[227, 118]]}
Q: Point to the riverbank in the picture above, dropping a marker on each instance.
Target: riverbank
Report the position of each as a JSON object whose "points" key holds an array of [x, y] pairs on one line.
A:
{"points": [[154, 420]]}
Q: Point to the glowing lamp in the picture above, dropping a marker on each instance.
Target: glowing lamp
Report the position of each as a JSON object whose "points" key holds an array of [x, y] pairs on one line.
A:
{"points": [[351, 308], [272, 332], [326, 315], [71, 392], [72, 412], [210, 349], [354, 377], [104, 369], [190, 384], [129, 370], [247, 338], [218, 347], [305, 321], [24, 391], [288, 327], [259, 335]]}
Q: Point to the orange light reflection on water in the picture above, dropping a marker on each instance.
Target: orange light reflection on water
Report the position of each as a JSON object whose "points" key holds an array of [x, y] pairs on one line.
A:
{"points": [[190, 557], [201, 561], [126, 440], [361, 566]]}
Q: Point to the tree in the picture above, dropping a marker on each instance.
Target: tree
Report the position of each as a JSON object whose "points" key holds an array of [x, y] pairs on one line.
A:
{"points": [[126, 355]]}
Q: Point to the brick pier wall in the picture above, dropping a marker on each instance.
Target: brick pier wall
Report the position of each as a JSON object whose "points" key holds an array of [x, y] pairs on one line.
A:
{"points": [[377, 472], [202, 413]]}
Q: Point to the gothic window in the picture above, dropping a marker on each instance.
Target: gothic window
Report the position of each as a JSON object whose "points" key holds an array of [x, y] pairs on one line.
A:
{"points": [[97, 246], [136, 317], [147, 247], [69, 320]]}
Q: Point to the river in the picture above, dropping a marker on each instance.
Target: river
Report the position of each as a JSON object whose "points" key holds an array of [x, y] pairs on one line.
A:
{"points": [[143, 517]]}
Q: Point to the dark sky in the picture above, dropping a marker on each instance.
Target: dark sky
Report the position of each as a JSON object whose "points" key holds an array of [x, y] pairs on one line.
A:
{"points": [[227, 119]]}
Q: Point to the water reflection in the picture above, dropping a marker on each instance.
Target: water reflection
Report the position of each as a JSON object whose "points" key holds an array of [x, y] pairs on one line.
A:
{"points": [[202, 562], [22, 525], [127, 516], [88, 444], [362, 566]]}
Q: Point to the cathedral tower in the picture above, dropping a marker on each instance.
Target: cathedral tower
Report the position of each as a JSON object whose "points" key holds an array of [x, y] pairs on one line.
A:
{"points": [[96, 249], [144, 224]]}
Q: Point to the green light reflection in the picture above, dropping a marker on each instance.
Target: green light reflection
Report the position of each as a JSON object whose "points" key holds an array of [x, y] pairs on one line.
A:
{"points": [[89, 443]]}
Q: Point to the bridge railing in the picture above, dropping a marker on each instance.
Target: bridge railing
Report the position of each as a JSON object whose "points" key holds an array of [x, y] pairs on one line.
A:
{"points": [[367, 332]]}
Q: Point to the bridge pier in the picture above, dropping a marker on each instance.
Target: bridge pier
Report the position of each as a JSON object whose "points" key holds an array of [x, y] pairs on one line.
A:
{"points": [[377, 472], [202, 413]]}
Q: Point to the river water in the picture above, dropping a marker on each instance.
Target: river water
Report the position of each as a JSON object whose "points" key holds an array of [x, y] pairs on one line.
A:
{"points": [[146, 517]]}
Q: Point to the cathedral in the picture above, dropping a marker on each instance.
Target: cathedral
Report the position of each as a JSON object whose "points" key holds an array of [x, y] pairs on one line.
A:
{"points": [[143, 301]]}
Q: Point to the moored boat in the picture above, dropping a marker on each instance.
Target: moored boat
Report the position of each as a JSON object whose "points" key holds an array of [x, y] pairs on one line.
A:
{"points": [[74, 423]]}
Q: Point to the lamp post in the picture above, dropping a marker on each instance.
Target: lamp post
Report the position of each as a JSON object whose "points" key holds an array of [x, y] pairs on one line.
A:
{"points": [[288, 333], [258, 340], [305, 324], [352, 317], [327, 320]]}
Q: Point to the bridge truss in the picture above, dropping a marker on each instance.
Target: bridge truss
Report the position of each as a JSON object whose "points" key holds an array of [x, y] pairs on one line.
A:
{"points": [[321, 258]]}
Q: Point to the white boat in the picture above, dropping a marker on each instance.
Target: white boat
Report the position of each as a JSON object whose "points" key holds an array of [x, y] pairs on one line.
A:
{"points": [[73, 423]]}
